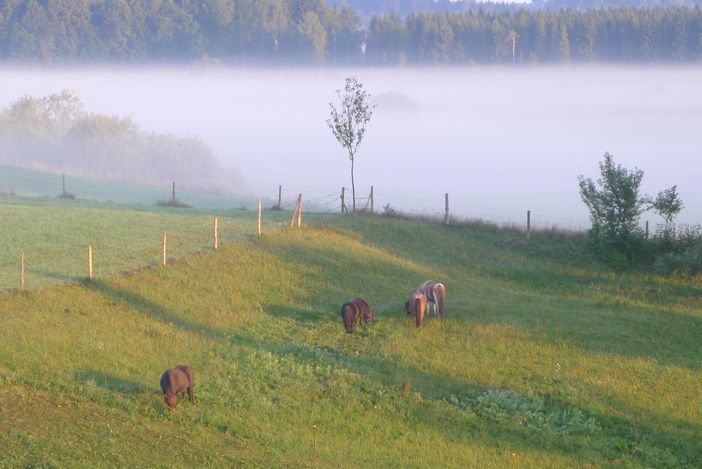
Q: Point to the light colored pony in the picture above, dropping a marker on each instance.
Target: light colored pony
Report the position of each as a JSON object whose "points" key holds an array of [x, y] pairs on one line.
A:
{"points": [[415, 306], [435, 293]]}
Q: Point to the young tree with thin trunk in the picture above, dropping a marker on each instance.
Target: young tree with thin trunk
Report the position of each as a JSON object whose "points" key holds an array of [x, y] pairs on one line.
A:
{"points": [[667, 204], [348, 121]]}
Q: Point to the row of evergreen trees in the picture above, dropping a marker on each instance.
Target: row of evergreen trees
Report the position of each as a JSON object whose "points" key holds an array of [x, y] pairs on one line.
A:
{"points": [[312, 31], [622, 34], [63, 31]]}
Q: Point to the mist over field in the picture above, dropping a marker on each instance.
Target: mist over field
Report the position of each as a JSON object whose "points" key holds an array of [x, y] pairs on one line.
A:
{"points": [[500, 140]]}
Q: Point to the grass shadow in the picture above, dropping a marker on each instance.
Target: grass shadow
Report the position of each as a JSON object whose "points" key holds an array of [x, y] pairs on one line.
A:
{"points": [[570, 303], [505, 424], [61, 278], [110, 382], [153, 310], [665, 335], [298, 314]]}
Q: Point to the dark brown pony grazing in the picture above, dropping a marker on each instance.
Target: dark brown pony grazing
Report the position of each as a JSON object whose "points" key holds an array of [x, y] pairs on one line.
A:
{"points": [[416, 305], [355, 311], [435, 293], [175, 381]]}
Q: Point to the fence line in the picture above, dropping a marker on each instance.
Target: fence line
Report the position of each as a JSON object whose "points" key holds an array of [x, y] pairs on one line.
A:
{"points": [[330, 202], [316, 199]]}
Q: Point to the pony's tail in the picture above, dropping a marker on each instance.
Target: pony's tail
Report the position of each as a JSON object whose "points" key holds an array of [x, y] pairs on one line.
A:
{"points": [[439, 297]]}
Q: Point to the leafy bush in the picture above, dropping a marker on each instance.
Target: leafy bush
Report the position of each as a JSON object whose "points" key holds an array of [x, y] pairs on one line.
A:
{"points": [[687, 262], [172, 203], [54, 132], [615, 206], [667, 204], [66, 195], [390, 212]]}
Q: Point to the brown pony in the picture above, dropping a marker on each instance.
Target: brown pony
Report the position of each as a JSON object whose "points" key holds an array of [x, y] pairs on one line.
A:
{"points": [[174, 381], [416, 305], [357, 310], [435, 293]]}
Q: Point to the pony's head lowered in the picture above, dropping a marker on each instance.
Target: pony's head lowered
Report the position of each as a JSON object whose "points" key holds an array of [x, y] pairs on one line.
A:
{"points": [[408, 308], [368, 316]]}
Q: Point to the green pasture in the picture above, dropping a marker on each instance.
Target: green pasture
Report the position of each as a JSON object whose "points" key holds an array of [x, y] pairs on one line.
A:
{"points": [[34, 183], [544, 359], [54, 235]]}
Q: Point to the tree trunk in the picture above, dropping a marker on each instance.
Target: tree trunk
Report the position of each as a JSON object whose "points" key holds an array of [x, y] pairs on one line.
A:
{"points": [[353, 188]]}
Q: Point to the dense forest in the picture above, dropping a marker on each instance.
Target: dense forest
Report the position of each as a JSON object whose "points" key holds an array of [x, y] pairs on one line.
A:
{"points": [[313, 31], [370, 8], [612, 35]]}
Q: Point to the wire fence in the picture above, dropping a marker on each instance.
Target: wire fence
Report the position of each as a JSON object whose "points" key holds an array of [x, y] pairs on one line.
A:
{"points": [[27, 182], [55, 247]]}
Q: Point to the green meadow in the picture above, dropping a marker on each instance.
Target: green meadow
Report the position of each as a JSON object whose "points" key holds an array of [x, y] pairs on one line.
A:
{"points": [[54, 235], [545, 359]]}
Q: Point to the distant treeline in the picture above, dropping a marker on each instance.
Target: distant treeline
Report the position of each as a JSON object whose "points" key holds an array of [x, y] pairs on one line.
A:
{"points": [[313, 31], [623, 34], [56, 134], [370, 8]]}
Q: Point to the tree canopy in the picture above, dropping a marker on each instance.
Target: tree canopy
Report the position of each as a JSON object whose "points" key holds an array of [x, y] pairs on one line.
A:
{"points": [[317, 32], [54, 132]]}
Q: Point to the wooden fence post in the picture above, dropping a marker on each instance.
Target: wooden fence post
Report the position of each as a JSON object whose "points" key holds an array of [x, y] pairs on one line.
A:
{"points": [[216, 233], [280, 196], [259, 216], [646, 229], [90, 261], [165, 242], [314, 444], [292, 222], [63, 185], [446, 215], [22, 271], [372, 201], [343, 204], [299, 210], [528, 224], [173, 199]]}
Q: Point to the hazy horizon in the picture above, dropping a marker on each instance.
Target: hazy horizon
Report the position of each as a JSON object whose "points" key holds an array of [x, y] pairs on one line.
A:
{"points": [[500, 140]]}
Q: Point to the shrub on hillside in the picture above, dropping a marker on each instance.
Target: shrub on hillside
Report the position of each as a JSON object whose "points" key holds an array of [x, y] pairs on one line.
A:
{"points": [[687, 263], [390, 212], [681, 250], [615, 206], [175, 203]]}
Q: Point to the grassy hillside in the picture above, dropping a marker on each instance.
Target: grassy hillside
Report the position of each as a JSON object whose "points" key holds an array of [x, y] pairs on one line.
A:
{"points": [[543, 361], [54, 235]]}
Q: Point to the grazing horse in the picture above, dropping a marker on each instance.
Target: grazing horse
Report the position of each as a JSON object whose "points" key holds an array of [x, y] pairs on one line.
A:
{"points": [[416, 305], [174, 381], [435, 293], [357, 310]]}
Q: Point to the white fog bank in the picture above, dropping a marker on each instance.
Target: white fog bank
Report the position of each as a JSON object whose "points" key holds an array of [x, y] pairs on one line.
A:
{"points": [[499, 140]]}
